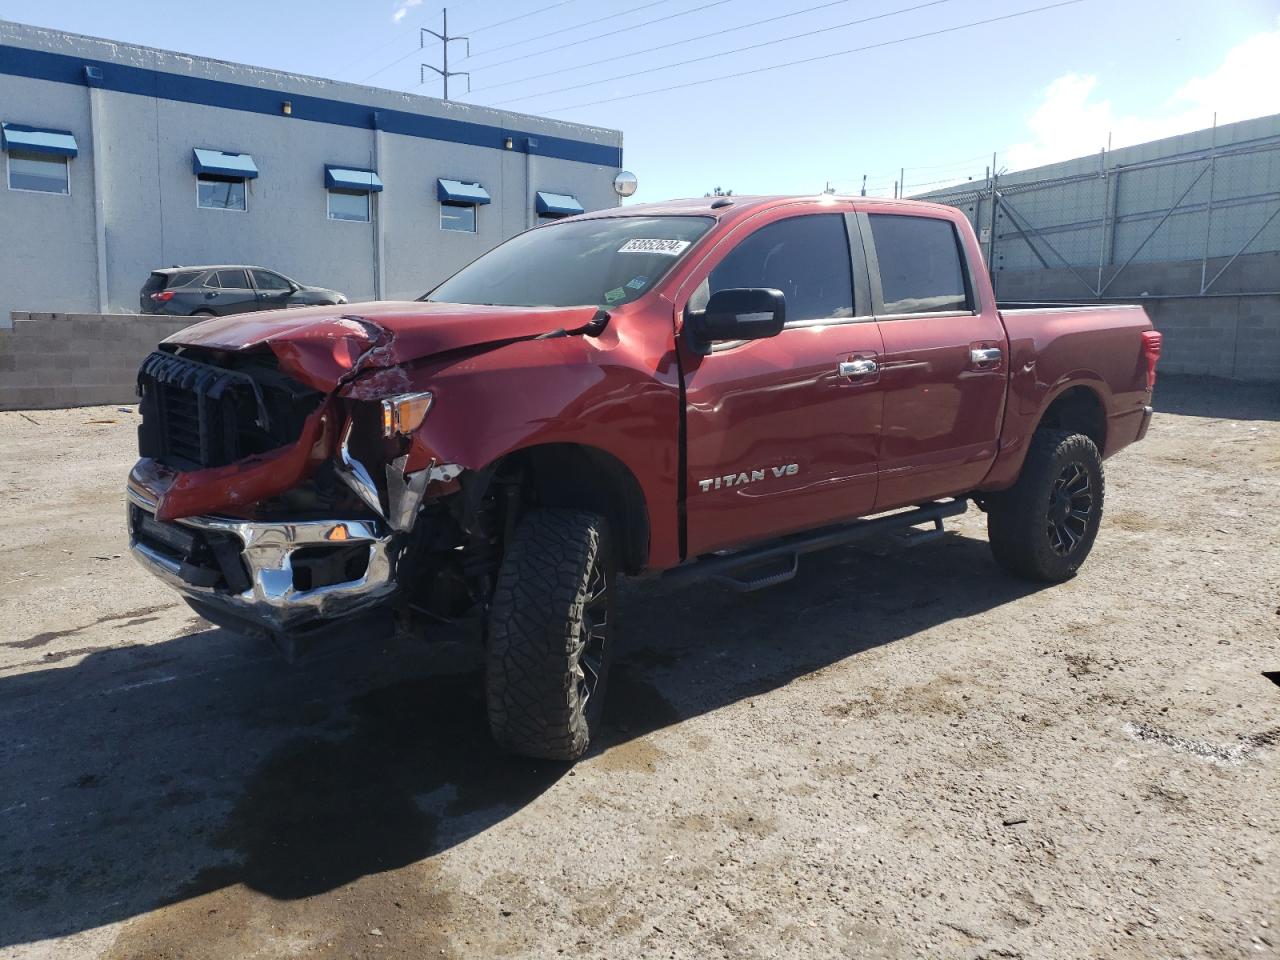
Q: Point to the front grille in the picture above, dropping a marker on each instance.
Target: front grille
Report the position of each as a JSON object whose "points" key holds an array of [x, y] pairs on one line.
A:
{"points": [[197, 414]]}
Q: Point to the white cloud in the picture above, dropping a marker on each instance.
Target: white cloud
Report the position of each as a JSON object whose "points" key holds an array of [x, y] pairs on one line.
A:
{"points": [[1070, 122], [402, 9]]}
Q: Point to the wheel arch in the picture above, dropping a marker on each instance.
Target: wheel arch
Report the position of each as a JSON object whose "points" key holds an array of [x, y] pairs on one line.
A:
{"points": [[1080, 408], [585, 477], [1076, 403]]}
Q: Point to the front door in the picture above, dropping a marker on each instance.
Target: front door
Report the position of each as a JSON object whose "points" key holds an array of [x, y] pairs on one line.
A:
{"points": [[235, 293], [782, 433], [273, 290], [943, 372]]}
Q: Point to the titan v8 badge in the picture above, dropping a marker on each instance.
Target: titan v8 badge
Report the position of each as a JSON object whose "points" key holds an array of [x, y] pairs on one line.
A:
{"points": [[738, 479]]}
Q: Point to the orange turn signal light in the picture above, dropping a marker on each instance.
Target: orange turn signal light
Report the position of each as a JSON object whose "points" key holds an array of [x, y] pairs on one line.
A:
{"points": [[338, 533], [405, 413]]}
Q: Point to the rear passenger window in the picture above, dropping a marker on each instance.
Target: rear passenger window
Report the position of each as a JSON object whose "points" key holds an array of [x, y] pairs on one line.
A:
{"points": [[233, 280], [807, 258], [920, 266]]}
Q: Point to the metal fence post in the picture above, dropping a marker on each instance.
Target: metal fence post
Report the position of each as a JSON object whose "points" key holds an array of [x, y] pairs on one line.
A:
{"points": [[1103, 226], [1208, 213]]}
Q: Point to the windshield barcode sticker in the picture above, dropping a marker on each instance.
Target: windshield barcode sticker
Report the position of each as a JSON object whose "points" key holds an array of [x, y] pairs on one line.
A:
{"points": [[671, 248]]}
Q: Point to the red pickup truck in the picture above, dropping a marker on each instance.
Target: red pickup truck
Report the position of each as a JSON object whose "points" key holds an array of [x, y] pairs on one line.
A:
{"points": [[701, 388]]}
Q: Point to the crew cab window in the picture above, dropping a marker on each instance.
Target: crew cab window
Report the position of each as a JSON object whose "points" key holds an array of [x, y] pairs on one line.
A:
{"points": [[807, 258], [920, 266]]}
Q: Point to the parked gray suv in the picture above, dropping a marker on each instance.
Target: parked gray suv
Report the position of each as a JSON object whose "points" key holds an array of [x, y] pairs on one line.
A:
{"points": [[220, 289]]}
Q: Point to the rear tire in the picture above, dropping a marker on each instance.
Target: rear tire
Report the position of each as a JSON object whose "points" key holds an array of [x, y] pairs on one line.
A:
{"points": [[203, 313], [550, 634], [1043, 527]]}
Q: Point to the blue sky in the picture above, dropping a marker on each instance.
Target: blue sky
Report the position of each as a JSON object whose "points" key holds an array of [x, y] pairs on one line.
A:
{"points": [[1034, 88]]}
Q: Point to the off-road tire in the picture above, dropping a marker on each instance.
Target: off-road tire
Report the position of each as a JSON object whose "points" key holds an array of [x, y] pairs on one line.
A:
{"points": [[1025, 539], [541, 616]]}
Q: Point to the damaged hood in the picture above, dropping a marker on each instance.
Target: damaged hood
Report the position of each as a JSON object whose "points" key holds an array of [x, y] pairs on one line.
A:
{"points": [[322, 346]]}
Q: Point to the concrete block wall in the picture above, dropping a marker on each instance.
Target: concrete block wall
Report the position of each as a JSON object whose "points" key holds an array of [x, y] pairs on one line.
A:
{"points": [[50, 360], [1231, 332]]}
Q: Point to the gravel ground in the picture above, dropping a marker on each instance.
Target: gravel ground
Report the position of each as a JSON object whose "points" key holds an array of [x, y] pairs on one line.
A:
{"points": [[900, 753]]}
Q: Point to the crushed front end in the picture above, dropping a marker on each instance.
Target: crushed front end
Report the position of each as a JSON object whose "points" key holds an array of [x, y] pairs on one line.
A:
{"points": [[255, 496]]}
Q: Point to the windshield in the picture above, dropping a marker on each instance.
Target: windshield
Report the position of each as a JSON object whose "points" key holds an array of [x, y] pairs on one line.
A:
{"points": [[603, 262]]}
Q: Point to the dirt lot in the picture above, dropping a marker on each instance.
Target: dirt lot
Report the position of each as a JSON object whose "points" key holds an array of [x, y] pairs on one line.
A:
{"points": [[901, 753]]}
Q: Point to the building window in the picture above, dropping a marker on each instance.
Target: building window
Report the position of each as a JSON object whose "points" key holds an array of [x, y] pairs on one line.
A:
{"points": [[39, 161], [350, 205], [39, 173], [551, 207], [458, 216], [459, 201], [348, 190], [220, 193], [221, 179]]}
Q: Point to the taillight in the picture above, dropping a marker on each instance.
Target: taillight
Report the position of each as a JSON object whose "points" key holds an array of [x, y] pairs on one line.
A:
{"points": [[163, 297], [1151, 340]]}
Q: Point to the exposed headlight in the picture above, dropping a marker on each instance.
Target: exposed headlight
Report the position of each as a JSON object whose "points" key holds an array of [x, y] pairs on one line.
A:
{"points": [[405, 413]]}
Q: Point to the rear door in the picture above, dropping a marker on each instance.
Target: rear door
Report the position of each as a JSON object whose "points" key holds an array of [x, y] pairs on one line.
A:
{"points": [[779, 435], [235, 293], [273, 289], [944, 371]]}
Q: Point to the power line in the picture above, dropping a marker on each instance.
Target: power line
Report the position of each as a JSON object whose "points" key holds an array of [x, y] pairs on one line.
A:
{"points": [[825, 56], [610, 33], [390, 43], [416, 49], [523, 16], [365, 56], [726, 53], [576, 26], [385, 68], [666, 46]]}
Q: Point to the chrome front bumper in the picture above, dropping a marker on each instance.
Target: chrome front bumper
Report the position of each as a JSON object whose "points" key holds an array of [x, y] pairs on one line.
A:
{"points": [[272, 599]]}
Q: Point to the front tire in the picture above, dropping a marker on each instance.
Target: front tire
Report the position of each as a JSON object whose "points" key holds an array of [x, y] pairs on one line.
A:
{"points": [[1043, 527], [550, 634]]}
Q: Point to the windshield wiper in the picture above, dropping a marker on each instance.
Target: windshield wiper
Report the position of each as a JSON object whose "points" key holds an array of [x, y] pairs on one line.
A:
{"points": [[592, 328]]}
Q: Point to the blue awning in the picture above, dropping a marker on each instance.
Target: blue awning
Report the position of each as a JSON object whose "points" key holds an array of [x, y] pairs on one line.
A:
{"points": [[221, 164], [558, 205], [349, 178], [457, 191], [58, 143]]}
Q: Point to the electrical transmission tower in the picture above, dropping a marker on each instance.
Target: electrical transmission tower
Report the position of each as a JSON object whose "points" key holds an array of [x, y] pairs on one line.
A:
{"points": [[445, 40]]}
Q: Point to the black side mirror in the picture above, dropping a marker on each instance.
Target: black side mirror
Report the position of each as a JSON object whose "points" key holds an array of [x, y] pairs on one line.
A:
{"points": [[739, 313]]}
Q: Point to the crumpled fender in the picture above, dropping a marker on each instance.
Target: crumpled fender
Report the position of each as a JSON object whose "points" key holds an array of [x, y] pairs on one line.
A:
{"points": [[355, 357]]}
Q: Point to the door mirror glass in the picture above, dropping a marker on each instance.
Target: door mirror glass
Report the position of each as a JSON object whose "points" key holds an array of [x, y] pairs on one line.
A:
{"points": [[738, 313]]}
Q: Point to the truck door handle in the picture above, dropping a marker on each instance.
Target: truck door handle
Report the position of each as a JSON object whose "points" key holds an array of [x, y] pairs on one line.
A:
{"points": [[857, 368], [986, 354]]}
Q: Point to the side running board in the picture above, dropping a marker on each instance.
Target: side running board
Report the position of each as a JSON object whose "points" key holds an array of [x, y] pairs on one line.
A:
{"points": [[781, 558]]}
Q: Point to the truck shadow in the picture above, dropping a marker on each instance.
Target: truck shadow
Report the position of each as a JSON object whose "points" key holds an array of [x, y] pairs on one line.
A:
{"points": [[1219, 399], [152, 774]]}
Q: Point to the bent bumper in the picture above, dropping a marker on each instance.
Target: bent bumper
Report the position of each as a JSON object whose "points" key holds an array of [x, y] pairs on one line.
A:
{"points": [[275, 575]]}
